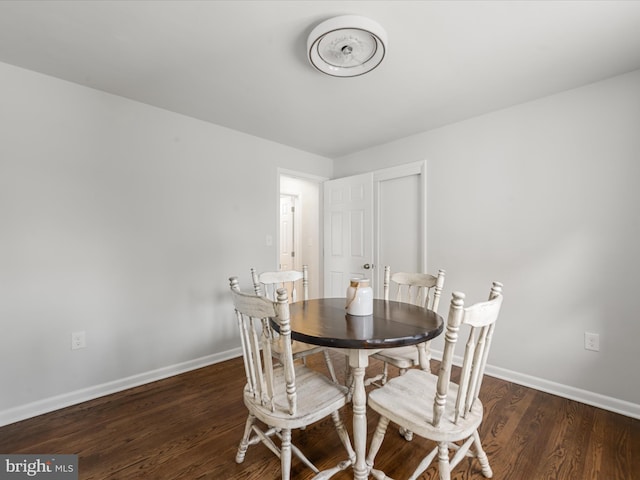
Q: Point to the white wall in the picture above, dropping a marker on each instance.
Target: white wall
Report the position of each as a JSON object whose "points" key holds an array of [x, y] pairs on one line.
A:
{"points": [[124, 221], [544, 197]]}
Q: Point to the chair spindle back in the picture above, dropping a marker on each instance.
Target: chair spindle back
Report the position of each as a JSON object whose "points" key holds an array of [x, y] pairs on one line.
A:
{"points": [[420, 289], [268, 283], [253, 313], [481, 318]]}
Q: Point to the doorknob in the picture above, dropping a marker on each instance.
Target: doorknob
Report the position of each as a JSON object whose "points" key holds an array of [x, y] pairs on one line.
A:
{"points": [[366, 266]]}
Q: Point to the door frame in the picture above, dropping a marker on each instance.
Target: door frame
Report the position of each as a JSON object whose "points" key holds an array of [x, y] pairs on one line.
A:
{"points": [[379, 176], [318, 180]]}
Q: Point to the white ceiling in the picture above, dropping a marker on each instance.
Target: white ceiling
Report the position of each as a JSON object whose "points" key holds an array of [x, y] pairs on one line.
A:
{"points": [[242, 64]]}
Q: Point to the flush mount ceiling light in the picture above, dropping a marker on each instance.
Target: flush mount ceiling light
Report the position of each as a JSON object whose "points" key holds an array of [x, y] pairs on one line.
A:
{"points": [[347, 46]]}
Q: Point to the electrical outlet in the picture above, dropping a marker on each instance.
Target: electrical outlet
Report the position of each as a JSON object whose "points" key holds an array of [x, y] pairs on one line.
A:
{"points": [[592, 341], [78, 340]]}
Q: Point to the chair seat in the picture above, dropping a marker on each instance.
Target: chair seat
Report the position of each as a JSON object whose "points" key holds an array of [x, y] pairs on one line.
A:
{"points": [[400, 357], [408, 401], [317, 397]]}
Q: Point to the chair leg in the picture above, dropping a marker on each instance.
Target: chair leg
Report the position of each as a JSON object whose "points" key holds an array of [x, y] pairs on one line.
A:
{"points": [[424, 464], [285, 454], [407, 434], [424, 357], [443, 461], [482, 456], [327, 360], [376, 441], [244, 443], [385, 373], [344, 436], [348, 377]]}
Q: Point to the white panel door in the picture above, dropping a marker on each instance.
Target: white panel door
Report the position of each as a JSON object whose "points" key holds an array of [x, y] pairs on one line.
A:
{"points": [[348, 232], [288, 245]]}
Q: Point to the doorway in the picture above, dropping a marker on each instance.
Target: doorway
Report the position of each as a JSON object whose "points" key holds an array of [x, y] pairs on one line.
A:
{"points": [[299, 238]]}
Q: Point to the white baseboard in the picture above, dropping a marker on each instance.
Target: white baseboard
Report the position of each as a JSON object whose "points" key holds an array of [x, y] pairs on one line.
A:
{"points": [[47, 405], [584, 396]]}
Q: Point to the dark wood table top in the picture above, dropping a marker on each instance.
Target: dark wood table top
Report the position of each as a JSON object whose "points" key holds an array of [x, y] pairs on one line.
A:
{"points": [[324, 322]]}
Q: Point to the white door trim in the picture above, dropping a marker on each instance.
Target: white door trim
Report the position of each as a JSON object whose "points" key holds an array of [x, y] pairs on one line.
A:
{"points": [[379, 176], [318, 180]]}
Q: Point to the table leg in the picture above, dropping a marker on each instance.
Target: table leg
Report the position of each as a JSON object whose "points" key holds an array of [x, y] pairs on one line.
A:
{"points": [[358, 360]]}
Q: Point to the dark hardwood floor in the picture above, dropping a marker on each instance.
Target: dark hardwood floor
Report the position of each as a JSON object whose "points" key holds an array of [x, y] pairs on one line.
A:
{"points": [[188, 427]]}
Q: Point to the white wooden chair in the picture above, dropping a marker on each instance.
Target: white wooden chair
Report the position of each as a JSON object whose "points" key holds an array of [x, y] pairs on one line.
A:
{"points": [[267, 284], [420, 289], [283, 396], [432, 406]]}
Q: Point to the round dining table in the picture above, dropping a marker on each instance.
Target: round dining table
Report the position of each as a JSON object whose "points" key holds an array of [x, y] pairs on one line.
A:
{"points": [[324, 322]]}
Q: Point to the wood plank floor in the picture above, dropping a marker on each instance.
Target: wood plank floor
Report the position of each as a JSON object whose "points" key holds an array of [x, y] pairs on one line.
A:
{"points": [[188, 427]]}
